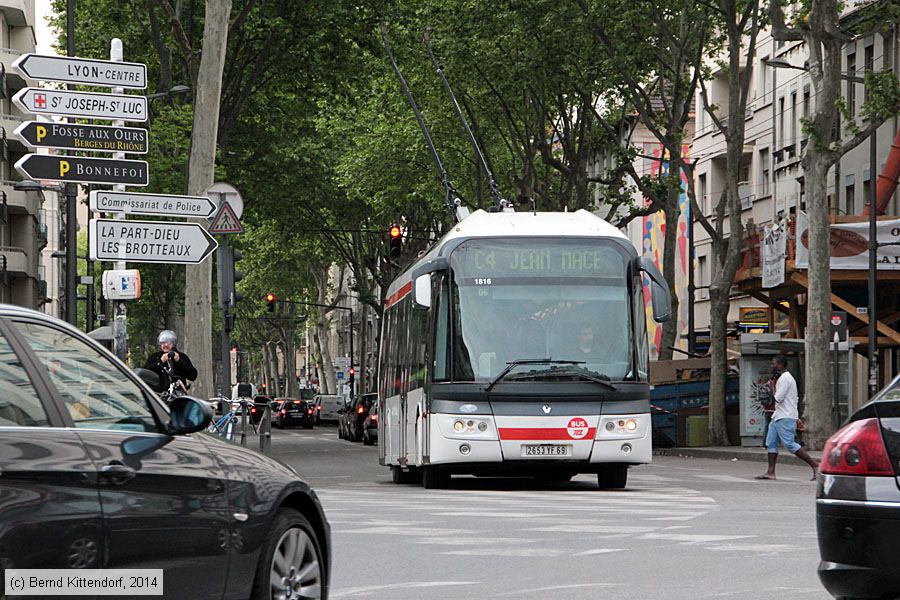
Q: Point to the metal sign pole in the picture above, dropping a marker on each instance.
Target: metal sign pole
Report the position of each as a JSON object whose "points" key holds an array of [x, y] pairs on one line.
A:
{"points": [[120, 330]]}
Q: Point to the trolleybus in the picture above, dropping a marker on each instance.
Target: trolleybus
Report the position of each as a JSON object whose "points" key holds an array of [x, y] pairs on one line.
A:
{"points": [[517, 345]]}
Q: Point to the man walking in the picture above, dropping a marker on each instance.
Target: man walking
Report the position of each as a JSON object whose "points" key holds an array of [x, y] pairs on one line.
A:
{"points": [[783, 426]]}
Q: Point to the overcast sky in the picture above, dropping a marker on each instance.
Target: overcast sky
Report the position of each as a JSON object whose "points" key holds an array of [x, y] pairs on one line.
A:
{"points": [[42, 31]]}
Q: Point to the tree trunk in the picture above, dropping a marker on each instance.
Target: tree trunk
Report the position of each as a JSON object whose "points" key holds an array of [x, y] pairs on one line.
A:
{"points": [[290, 364], [198, 278], [670, 245], [718, 319], [363, 346], [817, 389]]}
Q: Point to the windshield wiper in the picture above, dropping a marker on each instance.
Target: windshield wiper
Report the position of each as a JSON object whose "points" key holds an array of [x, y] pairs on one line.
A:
{"points": [[529, 361], [601, 379]]}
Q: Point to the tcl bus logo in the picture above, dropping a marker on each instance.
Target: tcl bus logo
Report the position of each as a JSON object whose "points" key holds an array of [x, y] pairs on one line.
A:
{"points": [[577, 428]]}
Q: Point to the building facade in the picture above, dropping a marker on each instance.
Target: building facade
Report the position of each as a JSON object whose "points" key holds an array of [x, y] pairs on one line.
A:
{"points": [[24, 221]]}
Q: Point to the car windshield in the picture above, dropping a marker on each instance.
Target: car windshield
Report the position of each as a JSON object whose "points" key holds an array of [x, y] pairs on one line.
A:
{"points": [[540, 298]]}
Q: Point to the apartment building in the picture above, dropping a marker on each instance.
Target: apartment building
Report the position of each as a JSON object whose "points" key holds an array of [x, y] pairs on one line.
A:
{"points": [[772, 178], [23, 219]]}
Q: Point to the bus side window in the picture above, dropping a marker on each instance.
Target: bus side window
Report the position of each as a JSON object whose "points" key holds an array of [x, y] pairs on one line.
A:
{"points": [[384, 359], [441, 326]]}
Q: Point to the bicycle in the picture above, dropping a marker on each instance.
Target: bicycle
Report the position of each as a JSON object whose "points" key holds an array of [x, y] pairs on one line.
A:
{"points": [[226, 425]]}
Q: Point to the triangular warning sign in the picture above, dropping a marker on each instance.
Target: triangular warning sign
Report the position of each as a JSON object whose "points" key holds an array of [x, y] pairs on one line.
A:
{"points": [[225, 221]]}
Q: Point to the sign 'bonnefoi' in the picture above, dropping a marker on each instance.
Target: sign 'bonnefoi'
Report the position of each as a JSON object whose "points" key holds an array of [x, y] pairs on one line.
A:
{"points": [[79, 169]]}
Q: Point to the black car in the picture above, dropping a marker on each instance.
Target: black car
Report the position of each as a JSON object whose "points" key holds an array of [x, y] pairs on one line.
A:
{"points": [[98, 473], [858, 502], [353, 416], [370, 426], [290, 413]]}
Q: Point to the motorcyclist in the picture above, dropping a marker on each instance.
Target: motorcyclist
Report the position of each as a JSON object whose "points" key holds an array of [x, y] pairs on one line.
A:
{"points": [[171, 360]]}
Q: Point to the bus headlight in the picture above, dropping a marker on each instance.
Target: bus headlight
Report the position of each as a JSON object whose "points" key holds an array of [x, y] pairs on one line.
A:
{"points": [[481, 428], [628, 426]]}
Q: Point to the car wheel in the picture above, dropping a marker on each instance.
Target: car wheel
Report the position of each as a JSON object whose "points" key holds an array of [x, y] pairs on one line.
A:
{"points": [[435, 478], [612, 477], [291, 565], [367, 439], [81, 552]]}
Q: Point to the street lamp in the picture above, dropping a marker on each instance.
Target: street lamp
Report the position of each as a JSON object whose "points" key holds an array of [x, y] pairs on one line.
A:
{"points": [[780, 63], [174, 91]]}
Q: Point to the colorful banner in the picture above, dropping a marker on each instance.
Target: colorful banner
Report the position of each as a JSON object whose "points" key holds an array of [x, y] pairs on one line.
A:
{"points": [[653, 236], [849, 243]]}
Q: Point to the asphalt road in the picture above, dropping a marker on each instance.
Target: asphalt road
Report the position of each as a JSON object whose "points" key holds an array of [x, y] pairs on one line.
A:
{"points": [[683, 529]]}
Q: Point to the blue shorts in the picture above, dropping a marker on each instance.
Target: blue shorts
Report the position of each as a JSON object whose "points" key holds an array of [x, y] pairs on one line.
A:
{"points": [[782, 432]]}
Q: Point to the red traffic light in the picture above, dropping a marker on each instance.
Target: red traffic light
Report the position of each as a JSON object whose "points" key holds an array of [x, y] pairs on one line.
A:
{"points": [[352, 371], [270, 297], [395, 231]]}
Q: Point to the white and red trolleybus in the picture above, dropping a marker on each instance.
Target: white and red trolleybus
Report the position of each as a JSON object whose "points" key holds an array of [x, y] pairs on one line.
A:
{"points": [[517, 345]]}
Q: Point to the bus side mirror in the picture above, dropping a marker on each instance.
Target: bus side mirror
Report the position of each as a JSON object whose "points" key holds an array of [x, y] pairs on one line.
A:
{"points": [[421, 280], [659, 291]]}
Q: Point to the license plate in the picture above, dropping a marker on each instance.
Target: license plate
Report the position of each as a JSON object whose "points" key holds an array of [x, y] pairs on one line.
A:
{"points": [[546, 450]]}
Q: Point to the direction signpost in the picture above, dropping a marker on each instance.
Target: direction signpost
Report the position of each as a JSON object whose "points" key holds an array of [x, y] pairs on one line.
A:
{"points": [[91, 105], [75, 136], [83, 170], [151, 204], [70, 69], [149, 241]]}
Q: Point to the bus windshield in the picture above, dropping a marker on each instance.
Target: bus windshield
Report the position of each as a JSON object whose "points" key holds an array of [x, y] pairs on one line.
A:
{"points": [[540, 298]]}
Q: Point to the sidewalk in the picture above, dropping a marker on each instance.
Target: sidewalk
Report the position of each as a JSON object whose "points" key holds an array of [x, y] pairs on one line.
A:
{"points": [[755, 454]]}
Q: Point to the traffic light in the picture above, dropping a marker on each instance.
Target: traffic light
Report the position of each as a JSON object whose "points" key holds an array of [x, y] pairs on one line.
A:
{"points": [[270, 300], [352, 377], [396, 243], [236, 276]]}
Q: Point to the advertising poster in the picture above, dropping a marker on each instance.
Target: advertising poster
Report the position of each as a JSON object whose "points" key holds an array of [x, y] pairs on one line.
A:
{"points": [[755, 393]]}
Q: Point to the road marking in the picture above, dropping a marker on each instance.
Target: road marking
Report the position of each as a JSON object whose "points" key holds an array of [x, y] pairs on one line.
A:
{"points": [[367, 590]]}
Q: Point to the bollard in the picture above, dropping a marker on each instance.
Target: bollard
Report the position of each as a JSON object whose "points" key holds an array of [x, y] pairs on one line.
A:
{"points": [[243, 423], [265, 431]]}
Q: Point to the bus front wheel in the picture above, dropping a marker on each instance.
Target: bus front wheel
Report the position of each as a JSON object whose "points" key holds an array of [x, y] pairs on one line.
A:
{"points": [[435, 478], [612, 477], [398, 475]]}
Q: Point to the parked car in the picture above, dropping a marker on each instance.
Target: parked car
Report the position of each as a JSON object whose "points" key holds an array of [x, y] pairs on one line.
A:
{"points": [[291, 412], [354, 414], [328, 407], [858, 502], [370, 426], [98, 473]]}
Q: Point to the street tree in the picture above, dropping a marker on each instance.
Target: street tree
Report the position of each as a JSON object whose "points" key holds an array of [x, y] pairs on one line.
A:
{"points": [[818, 25], [658, 51], [739, 21]]}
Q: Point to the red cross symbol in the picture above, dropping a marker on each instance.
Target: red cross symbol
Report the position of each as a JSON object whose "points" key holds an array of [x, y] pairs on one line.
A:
{"points": [[40, 101]]}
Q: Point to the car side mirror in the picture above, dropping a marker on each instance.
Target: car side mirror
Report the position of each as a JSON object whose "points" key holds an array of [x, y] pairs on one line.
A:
{"points": [[188, 415], [659, 291], [151, 378]]}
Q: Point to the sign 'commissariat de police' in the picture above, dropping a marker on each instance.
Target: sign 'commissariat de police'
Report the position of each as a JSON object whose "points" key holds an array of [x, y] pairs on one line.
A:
{"points": [[77, 169], [73, 136]]}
